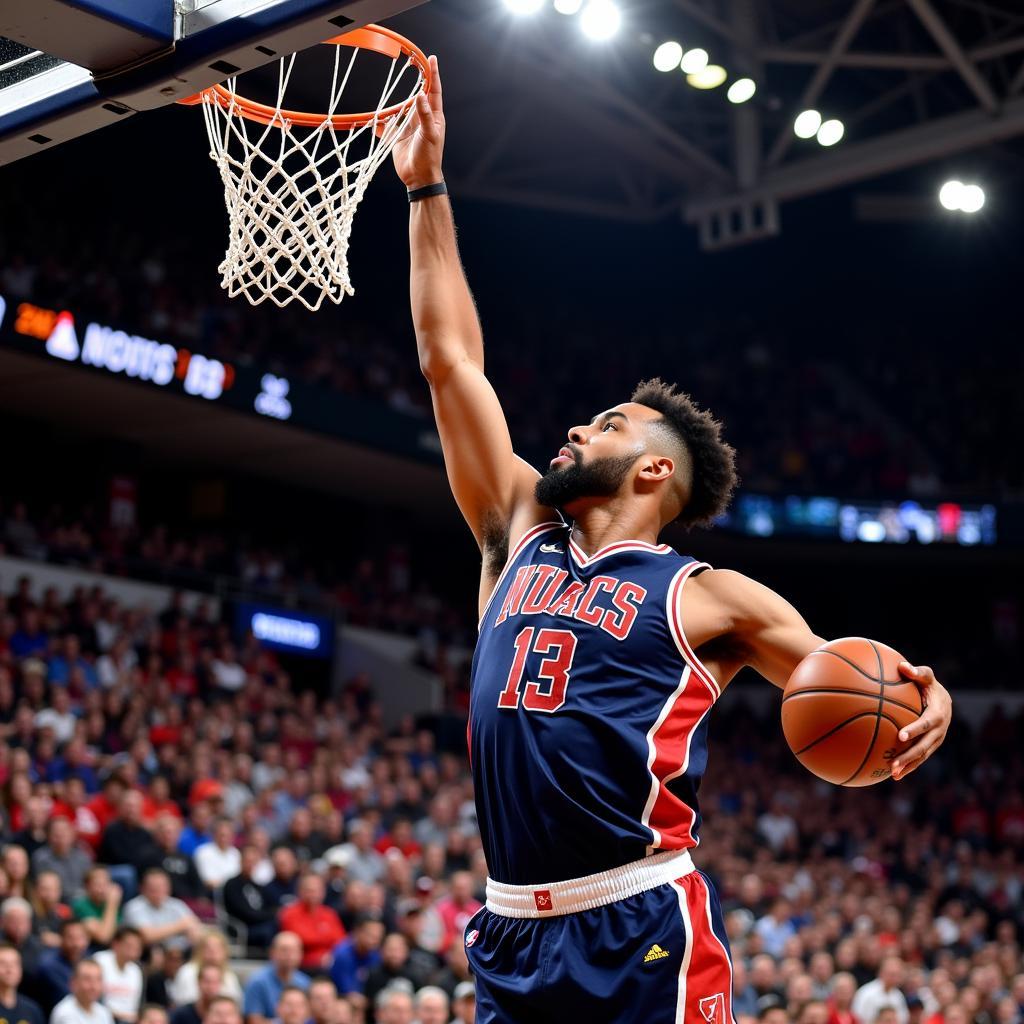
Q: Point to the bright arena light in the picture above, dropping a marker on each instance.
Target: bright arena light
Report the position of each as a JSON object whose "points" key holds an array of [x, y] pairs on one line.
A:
{"points": [[568, 6], [807, 124], [668, 56], [972, 198], [694, 60], [524, 6], [957, 196], [950, 193], [831, 132], [710, 77], [741, 90], [601, 19]]}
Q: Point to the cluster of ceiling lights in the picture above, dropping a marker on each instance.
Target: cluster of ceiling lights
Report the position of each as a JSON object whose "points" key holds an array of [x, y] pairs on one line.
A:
{"points": [[700, 72], [599, 19], [811, 125], [957, 197]]}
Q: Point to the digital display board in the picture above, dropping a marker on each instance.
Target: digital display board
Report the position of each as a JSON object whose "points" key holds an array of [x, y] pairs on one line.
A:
{"points": [[59, 335], [311, 636], [867, 522], [62, 335]]}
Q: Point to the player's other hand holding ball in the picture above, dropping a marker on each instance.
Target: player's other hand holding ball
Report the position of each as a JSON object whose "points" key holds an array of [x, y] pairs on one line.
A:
{"points": [[419, 149], [930, 729], [855, 712]]}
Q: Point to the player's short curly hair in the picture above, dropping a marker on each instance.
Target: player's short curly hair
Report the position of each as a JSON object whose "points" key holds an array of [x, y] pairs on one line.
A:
{"points": [[713, 460]]}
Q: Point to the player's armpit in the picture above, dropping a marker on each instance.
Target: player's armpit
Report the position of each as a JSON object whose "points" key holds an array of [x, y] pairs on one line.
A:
{"points": [[764, 629]]}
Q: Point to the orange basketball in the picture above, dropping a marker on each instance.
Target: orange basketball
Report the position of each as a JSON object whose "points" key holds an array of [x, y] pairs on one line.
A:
{"points": [[843, 708]]}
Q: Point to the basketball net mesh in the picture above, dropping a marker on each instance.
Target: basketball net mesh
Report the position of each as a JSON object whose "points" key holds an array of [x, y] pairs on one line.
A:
{"points": [[292, 191]]}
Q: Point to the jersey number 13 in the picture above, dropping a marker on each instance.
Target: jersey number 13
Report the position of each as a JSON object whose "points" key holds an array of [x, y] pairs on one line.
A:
{"points": [[548, 692]]}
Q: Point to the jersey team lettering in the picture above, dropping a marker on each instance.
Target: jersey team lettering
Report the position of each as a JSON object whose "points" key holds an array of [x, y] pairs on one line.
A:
{"points": [[538, 590]]}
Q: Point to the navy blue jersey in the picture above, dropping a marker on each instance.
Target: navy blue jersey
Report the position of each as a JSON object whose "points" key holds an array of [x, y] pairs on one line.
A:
{"points": [[588, 712]]}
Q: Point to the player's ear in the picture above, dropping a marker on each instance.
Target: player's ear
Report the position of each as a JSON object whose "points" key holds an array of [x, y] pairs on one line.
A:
{"points": [[655, 468]]}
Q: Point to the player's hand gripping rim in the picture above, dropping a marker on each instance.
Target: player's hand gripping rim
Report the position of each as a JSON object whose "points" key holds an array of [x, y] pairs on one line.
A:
{"points": [[419, 150], [930, 729]]}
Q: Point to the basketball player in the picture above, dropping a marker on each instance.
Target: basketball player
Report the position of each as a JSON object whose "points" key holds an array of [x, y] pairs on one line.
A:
{"points": [[601, 653]]}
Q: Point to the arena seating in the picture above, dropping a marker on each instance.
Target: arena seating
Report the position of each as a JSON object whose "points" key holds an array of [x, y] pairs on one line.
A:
{"points": [[840, 418], [116, 752]]}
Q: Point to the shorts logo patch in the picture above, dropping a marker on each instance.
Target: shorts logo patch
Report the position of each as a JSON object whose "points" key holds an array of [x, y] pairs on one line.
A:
{"points": [[655, 953], [709, 1008], [542, 897], [472, 936]]}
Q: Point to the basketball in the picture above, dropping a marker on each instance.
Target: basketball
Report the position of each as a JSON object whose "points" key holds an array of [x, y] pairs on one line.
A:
{"points": [[843, 708]]}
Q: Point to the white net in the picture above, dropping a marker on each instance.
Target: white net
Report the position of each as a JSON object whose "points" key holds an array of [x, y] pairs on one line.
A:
{"points": [[292, 189]]}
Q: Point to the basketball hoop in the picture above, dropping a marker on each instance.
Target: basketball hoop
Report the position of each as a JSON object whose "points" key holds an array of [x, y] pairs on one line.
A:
{"points": [[293, 180]]}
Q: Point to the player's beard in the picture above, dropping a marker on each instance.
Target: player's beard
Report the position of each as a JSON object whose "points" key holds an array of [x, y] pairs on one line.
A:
{"points": [[598, 478]]}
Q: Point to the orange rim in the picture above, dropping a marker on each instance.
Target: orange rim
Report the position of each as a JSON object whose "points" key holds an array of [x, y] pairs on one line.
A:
{"points": [[372, 37]]}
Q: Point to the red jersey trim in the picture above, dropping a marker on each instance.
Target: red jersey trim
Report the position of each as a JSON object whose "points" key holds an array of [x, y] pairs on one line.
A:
{"points": [[581, 558], [675, 621]]}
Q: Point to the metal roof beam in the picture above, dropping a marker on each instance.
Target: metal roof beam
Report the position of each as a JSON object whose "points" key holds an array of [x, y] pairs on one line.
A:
{"points": [[724, 29], [827, 30], [873, 61], [841, 43], [563, 203], [892, 152], [951, 48], [1018, 81]]}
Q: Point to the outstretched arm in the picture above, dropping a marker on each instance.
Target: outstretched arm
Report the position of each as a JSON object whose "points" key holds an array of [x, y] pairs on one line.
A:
{"points": [[755, 626], [492, 486]]}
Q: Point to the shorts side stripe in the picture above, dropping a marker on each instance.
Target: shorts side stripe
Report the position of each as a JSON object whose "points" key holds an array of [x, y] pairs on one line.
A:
{"points": [[729, 1014], [684, 967]]}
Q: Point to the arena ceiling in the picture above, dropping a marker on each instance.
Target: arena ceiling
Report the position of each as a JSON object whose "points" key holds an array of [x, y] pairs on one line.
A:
{"points": [[540, 117]]}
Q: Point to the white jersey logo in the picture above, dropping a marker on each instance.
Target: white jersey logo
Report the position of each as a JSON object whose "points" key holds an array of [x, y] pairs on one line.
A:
{"points": [[552, 549], [709, 1008]]}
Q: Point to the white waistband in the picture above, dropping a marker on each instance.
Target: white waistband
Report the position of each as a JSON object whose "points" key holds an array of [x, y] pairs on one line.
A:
{"points": [[578, 894]]}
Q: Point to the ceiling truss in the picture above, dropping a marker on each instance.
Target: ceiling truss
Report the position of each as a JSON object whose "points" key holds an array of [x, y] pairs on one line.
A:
{"points": [[914, 81]]}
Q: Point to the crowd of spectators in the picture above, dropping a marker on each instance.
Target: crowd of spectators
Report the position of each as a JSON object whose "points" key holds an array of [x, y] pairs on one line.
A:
{"points": [[374, 586], [796, 426], [185, 838], [163, 792]]}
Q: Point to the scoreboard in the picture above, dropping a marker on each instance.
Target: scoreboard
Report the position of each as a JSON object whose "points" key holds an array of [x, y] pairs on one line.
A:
{"points": [[63, 336]]}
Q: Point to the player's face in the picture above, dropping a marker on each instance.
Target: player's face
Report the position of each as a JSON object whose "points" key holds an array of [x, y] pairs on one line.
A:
{"points": [[597, 460]]}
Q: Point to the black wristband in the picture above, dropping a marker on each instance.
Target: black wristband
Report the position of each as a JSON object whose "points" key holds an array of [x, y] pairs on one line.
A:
{"points": [[416, 194]]}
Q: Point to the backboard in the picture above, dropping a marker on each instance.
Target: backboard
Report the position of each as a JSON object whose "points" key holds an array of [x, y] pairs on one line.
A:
{"points": [[68, 67]]}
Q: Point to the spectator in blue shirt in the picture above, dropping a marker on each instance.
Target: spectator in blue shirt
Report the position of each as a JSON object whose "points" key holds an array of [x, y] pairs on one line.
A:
{"points": [[776, 929], [197, 831], [74, 764], [31, 639], [13, 1005], [265, 986], [70, 660], [56, 967], [354, 956]]}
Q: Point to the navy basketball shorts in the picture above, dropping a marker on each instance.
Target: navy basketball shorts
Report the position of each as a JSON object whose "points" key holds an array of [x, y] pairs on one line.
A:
{"points": [[641, 944]]}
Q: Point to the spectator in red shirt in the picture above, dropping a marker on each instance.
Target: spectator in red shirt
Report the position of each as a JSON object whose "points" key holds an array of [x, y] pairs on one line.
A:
{"points": [[844, 987], [106, 805], [182, 676], [75, 807], [400, 838], [158, 802], [169, 729], [971, 820], [317, 925], [457, 908], [1010, 820]]}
